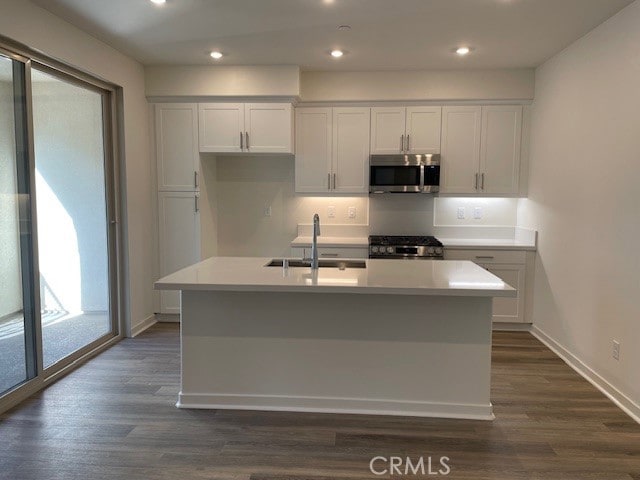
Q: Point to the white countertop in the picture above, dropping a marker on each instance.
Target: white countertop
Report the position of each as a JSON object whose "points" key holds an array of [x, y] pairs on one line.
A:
{"points": [[392, 277], [495, 244], [350, 242]]}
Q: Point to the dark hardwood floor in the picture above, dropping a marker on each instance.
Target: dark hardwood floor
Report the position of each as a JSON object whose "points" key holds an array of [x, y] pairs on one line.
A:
{"points": [[114, 418]]}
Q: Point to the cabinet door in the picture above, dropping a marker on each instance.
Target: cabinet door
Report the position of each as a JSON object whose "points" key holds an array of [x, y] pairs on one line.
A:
{"points": [[313, 150], [500, 151], [268, 127], [460, 160], [176, 132], [179, 239], [509, 309], [424, 126], [221, 125], [350, 150], [387, 130]]}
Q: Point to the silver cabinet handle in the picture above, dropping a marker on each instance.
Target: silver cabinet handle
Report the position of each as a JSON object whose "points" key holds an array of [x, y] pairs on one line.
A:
{"points": [[195, 179], [246, 135], [334, 181], [241, 142], [485, 257], [328, 181], [408, 142], [402, 143], [482, 183], [476, 184], [197, 206], [328, 254]]}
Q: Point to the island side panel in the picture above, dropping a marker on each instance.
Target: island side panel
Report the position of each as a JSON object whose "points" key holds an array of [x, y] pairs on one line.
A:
{"points": [[357, 353]]}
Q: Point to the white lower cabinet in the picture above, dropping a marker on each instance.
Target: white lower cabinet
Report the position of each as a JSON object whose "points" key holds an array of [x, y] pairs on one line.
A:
{"points": [[511, 267], [331, 252], [179, 239]]}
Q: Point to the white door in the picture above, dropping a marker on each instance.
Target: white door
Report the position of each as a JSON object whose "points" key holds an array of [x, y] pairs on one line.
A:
{"points": [[388, 130], [268, 128], [424, 126], [221, 126], [500, 151], [460, 161], [179, 242], [176, 129], [313, 150], [509, 309], [351, 150]]}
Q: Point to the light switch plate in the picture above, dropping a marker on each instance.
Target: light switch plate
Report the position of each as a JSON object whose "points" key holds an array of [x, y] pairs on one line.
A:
{"points": [[461, 213], [351, 212], [331, 211], [477, 213], [267, 211]]}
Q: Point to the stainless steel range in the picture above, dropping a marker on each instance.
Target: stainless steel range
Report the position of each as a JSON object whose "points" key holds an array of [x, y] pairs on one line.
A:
{"points": [[405, 247]]}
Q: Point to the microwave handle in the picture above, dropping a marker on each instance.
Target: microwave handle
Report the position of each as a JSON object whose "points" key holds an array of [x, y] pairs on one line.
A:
{"points": [[421, 177]]}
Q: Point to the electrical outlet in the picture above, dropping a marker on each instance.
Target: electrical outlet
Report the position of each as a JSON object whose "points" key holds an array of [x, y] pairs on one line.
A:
{"points": [[267, 211], [461, 213], [477, 213], [616, 350], [331, 211], [351, 212]]}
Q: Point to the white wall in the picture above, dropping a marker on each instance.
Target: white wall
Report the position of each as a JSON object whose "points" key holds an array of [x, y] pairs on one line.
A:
{"points": [[26, 23], [239, 81], [10, 276], [584, 197], [244, 186], [439, 85]]}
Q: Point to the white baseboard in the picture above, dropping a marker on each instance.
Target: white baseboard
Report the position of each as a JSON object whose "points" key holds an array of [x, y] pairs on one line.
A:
{"points": [[626, 404], [335, 405], [168, 317], [143, 325], [511, 327]]}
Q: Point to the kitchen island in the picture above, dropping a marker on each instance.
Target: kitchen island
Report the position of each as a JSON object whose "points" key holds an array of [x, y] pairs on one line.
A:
{"points": [[396, 337]]}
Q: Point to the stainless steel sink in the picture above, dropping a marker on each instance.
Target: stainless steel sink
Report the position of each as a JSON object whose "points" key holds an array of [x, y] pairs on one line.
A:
{"points": [[323, 263]]}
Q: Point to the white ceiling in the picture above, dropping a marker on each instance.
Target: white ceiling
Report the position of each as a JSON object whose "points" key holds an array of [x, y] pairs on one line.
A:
{"points": [[385, 34]]}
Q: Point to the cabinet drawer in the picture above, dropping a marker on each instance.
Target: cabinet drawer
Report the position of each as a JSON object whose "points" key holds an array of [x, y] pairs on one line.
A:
{"points": [[487, 256], [331, 252]]}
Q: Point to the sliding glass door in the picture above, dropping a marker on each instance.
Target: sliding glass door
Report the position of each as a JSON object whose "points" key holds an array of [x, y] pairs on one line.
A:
{"points": [[59, 287], [17, 320], [68, 133]]}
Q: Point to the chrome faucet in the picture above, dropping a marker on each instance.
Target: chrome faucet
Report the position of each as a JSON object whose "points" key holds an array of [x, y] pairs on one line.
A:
{"points": [[314, 245]]}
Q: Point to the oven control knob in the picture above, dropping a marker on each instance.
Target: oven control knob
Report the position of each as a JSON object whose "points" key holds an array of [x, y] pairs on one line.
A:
{"points": [[374, 249], [430, 250], [389, 249], [439, 251]]}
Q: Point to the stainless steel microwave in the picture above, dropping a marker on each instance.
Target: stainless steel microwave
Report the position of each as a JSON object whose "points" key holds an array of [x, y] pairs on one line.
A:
{"points": [[404, 173]]}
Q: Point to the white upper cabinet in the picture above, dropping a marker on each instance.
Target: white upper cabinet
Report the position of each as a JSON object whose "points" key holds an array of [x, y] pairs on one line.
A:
{"points": [[313, 150], [423, 129], [332, 150], [481, 149], [500, 151], [388, 125], [221, 127], [246, 127], [176, 136], [405, 130], [460, 161], [268, 128], [350, 158]]}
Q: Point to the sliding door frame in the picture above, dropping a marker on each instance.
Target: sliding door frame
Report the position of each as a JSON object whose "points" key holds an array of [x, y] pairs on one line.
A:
{"points": [[112, 107]]}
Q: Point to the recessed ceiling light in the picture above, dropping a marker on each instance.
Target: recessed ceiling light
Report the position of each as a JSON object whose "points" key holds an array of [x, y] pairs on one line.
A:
{"points": [[337, 53], [217, 55], [463, 51], [159, 2]]}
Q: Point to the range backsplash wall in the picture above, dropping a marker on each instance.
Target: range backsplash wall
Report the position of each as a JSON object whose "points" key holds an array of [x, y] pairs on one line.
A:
{"points": [[237, 191]]}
